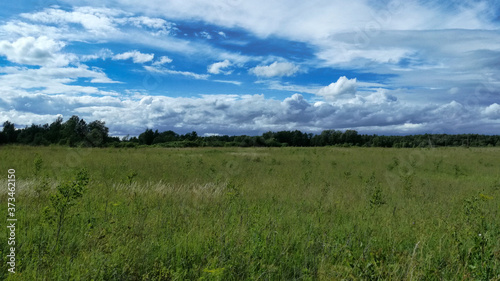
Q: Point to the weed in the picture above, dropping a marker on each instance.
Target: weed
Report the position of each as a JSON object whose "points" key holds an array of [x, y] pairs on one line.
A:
{"points": [[393, 164], [437, 164], [37, 163], [375, 189], [458, 171], [376, 198], [65, 197], [407, 181], [42, 186], [130, 177]]}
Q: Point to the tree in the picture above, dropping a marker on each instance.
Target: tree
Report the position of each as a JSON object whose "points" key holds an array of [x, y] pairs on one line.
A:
{"points": [[351, 137], [148, 137], [33, 135], [81, 130], [98, 133], [9, 132], [54, 133], [69, 135], [190, 136]]}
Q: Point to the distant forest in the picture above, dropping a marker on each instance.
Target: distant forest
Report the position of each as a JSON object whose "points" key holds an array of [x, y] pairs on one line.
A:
{"points": [[76, 132]]}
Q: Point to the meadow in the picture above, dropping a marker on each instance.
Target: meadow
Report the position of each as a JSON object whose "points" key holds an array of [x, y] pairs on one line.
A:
{"points": [[287, 213]]}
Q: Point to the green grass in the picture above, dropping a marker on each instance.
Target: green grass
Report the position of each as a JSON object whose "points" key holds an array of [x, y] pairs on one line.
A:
{"points": [[257, 214]]}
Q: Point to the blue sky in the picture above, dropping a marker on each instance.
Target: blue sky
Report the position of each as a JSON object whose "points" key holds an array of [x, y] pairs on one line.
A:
{"points": [[247, 67]]}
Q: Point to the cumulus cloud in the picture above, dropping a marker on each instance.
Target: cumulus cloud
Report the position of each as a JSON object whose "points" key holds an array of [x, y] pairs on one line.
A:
{"points": [[136, 56], [246, 114], [342, 87], [295, 105], [217, 67], [276, 69], [34, 51], [492, 111]]}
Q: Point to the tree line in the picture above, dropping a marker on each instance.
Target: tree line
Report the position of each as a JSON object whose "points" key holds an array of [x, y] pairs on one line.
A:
{"points": [[77, 132]]}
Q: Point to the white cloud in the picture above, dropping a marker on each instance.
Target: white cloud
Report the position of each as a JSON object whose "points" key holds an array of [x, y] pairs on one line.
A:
{"points": [[163, 60], [215, 68], [176, 72], [106, 25], [17, 28], [237, 83], [205, 35], [34, 51], [94, 20], [343, 86], [277, 85], [52, 80], [492, 111], [103, 54], [136, 56], [360, 30], [149, 22], [276, 69]]}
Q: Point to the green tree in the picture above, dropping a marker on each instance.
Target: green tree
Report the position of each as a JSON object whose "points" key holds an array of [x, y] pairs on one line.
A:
{"points": [[98, 133], [148, 137], [9, 132]]}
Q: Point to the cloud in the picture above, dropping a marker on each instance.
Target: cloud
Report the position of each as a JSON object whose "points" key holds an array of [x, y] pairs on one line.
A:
{"points": [[163, 60], [52, 80], [103, 54], [289, 87], [136, 56], [161, 26], [248, 114], [215, 68], [342, 87], [176, 72], [237, 83], [94, 20], [492, 111], [323, 18], [205, 35], [276, 69], [88, 25], [34, 51]]}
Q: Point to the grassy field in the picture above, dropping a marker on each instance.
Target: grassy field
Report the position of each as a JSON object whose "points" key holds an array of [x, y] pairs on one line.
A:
{"points": [[253, 214]]}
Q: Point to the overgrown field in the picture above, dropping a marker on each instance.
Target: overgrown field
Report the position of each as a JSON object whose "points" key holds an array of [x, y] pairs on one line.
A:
{"points": [[253, 213]]}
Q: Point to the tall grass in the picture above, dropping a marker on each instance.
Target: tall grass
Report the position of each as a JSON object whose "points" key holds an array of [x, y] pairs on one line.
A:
{"points": [[258, 214]]}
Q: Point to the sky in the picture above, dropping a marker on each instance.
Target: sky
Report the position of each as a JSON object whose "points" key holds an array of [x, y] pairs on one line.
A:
{"points": [[247, 67]]}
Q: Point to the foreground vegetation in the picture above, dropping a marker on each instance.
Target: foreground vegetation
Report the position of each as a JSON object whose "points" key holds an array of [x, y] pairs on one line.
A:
{"points": [[254, 213]]}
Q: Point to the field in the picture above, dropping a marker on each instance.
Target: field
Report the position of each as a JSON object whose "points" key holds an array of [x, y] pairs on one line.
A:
{"points": [[253, 213]]}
